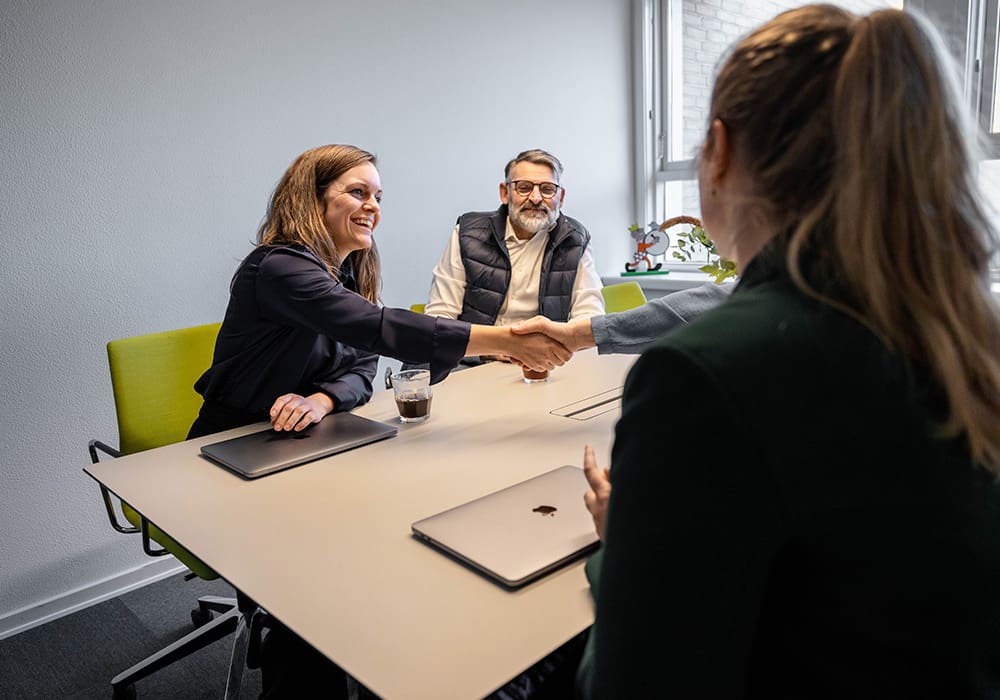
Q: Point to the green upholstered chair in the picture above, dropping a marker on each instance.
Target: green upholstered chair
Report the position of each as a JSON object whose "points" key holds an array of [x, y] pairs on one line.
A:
{"points": [[622, 297], [153, 378]]}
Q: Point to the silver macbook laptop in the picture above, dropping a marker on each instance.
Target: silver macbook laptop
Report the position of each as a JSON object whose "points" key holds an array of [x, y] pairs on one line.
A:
{"points": [[520, 533], [269, 451]]}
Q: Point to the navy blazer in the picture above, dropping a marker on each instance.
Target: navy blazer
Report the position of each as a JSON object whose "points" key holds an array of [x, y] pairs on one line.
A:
{"points": [[292, 327]]}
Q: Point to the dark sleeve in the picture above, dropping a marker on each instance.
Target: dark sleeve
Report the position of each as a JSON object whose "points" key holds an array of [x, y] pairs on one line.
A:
{"points": [[691, 533], [292, 288], [350, 385]]}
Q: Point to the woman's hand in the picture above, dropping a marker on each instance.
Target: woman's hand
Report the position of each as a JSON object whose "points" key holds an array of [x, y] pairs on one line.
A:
{"points": [[574, 335], [294, 412], [597, 497], [538, 351], [535, 350]]}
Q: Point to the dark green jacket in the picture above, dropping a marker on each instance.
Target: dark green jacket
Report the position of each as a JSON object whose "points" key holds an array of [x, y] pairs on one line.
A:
{"points": [[783, 522]]}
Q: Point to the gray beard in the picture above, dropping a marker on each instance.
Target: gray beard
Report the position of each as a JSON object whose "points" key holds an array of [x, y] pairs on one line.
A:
{"points": [[532, 223]]}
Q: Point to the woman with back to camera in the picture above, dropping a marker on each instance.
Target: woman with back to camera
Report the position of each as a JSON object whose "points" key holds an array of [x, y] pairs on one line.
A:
{"points": [[840, 537], [303, 331]]}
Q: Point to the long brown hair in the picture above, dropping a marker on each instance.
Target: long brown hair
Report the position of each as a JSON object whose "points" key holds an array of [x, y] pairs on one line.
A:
{"points": [[856, 141], [295, 213]]}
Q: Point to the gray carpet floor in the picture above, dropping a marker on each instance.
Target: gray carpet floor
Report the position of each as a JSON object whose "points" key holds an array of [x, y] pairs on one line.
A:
{"points": [[75, 657]]}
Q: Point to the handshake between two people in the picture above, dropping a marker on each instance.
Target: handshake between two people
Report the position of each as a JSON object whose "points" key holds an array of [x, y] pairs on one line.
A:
{"points": [[538, 343], [573, 335]]}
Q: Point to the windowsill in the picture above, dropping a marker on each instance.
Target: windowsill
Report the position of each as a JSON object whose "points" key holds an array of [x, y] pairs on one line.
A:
{"points": [[674, 281], [677, 280]]}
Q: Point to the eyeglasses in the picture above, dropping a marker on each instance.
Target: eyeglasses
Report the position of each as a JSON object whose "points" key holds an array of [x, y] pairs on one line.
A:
{"points": [[526, 187]]}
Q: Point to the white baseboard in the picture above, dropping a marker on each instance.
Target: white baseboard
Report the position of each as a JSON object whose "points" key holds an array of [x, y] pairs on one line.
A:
{"points": [[26, 618]]}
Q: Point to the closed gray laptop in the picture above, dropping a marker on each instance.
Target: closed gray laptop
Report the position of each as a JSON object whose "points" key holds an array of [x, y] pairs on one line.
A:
{"points": [[269, 451], [520, 533]]}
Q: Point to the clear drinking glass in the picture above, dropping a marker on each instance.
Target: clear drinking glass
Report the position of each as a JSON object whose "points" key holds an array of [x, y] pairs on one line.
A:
{"points": [[412, 388]]}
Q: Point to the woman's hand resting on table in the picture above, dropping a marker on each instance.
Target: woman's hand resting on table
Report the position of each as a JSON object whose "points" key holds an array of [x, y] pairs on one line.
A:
{"points": [[294, 412]]}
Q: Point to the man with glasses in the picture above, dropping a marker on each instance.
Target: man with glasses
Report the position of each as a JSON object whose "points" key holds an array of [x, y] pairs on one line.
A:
{"points": [[524, 259]]}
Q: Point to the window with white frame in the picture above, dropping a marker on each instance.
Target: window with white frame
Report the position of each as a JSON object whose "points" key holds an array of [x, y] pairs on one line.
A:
{"points": [[986, 90], [984, 30], [679, 43]]}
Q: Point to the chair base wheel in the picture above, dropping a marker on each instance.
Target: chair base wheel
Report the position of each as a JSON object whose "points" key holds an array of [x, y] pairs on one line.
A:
{"points": [[201, 617]]}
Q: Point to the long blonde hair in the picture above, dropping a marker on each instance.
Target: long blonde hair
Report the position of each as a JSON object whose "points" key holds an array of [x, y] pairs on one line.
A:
{"points": [[855, 138], [295, 213]]}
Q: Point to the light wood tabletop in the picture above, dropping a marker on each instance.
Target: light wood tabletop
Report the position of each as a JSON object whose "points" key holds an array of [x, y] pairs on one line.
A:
{"points": [[326, 546]]}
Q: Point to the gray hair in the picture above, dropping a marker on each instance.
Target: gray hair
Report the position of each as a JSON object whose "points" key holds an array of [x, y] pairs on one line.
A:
{"points": [[538, 157]]}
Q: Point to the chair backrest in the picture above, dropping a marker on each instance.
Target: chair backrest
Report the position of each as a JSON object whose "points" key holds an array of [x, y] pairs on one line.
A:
{"points": [[417, 308], [621, 297], [153, 380]]}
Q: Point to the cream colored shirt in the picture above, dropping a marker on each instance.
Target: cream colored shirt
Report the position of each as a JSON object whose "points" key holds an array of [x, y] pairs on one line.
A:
{"points": [[521, 303]]}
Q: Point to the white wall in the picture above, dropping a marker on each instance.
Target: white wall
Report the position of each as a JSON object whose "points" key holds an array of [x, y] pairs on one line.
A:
{"points": [[140, 141]]}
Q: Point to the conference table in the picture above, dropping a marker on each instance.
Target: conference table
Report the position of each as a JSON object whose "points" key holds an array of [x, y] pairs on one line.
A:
{"points": [[326, 547]]}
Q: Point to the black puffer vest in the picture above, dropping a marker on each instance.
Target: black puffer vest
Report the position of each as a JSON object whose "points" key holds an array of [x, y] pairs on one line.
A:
{"points": [[487, 265]]}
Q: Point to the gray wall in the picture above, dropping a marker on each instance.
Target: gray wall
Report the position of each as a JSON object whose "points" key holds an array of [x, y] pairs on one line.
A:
{"points": [[140, 141]]}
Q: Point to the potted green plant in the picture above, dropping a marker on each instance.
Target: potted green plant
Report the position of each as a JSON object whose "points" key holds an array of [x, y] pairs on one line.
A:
{"points": [[694, 243]]}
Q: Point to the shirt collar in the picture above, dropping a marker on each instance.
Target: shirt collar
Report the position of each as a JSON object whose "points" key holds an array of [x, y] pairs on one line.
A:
{"points": [[508, 233]]}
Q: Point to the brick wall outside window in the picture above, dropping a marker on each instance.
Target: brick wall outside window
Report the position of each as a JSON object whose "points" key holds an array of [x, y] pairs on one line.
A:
{"points": [[709, 28]]}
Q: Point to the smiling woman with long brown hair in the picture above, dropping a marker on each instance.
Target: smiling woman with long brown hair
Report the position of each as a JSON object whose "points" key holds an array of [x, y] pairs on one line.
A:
{"points": [[303, 332], [303, 329]]}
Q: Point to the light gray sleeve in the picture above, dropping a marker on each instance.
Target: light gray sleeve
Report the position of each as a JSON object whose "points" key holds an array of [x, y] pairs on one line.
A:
{"points": [[635, 330]]}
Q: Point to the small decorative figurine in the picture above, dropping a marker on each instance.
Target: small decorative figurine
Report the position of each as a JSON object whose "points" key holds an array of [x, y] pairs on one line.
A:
{"points": [[651, 242], [690, 244]]}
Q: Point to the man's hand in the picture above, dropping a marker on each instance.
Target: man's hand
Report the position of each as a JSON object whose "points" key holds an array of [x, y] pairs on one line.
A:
{"points": [[537, 351], [533, 350], [294, 412], [596, 499], [575, 335]]}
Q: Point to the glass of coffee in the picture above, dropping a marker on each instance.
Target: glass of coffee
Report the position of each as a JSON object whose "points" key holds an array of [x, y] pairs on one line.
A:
{"points": [[532, 376], [412, 388]]}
